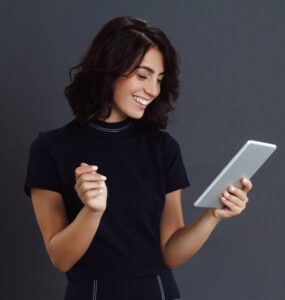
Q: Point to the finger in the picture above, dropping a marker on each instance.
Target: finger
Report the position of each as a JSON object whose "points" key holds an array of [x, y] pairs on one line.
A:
{"points": [[235, 200], [247, 184], [94, 184], [234, 190], [84, 169], [89, 186], [89, 177], [96, 177], [229, 204]]}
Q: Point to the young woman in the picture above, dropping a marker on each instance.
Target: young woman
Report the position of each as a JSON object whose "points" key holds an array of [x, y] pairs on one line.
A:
{"points": [[119, 236]]}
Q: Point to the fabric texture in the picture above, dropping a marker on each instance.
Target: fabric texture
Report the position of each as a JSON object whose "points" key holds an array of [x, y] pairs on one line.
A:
{"points": [[140, 169], [155, 287]]}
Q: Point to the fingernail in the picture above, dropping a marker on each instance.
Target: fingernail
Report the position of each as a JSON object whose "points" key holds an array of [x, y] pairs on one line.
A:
{"points": [[94, 167], [103, 177], [245, 180]]}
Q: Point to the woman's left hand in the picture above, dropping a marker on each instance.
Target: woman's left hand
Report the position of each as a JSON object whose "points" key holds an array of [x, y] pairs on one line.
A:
{"points": [[235, 200]]}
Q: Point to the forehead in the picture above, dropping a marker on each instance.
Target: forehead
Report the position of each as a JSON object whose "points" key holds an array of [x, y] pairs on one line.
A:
{"points": [[154, 60]]}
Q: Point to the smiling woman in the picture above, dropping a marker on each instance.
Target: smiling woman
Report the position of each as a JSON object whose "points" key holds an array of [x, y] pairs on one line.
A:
{"points": [[142, 87], [117, 233], [109, 234], [128, 57]]}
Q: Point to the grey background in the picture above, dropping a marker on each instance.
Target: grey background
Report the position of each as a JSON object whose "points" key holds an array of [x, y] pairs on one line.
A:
{"points": [[232, 90]]}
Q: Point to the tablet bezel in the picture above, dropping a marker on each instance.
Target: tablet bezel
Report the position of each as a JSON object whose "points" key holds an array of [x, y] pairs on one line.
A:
{"points": [[211, 196]]}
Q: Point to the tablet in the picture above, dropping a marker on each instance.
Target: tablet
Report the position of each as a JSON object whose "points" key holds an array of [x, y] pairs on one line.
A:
{"points": [[244, 164]]}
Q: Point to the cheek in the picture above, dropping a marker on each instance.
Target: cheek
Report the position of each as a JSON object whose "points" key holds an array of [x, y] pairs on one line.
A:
{"points": [[119, 94], [125, 88], [133, 85]]}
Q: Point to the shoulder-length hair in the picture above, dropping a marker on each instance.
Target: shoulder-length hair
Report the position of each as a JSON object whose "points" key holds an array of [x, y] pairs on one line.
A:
{"points": [[119, 44]]}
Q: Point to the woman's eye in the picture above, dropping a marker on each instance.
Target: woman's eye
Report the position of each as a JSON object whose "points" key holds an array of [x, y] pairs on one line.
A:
{"points": [[141, 76], [145, 77]]}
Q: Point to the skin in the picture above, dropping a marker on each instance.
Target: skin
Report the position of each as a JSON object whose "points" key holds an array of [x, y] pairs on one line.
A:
{"points": [[141, 83], [65, 242], [235, 200], [147, 85], [178, 242]]}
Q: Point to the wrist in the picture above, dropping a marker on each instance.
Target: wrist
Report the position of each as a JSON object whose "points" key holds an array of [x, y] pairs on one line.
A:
{"points": [[93, 212], [210, 214]]}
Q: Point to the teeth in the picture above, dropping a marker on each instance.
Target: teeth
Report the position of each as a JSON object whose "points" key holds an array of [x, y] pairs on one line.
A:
{"points": [[140, 100]]}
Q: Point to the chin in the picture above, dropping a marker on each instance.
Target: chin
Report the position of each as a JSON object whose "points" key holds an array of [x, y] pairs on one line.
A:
{"points": [[137, 115]]}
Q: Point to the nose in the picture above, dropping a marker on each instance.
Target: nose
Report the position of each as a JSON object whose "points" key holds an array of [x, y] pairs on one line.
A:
{"points": [[152, 88]]}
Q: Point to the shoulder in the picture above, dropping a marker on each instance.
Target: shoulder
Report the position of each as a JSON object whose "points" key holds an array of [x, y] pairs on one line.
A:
{"points": [[166, 144], [167, 140], [52, 138]]}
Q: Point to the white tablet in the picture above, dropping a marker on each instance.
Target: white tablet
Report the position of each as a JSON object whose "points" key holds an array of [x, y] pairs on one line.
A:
{"points": [[244, 164]]}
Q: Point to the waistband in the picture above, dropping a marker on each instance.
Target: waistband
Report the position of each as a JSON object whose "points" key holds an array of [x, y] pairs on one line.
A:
{"points": [[123, 278]]}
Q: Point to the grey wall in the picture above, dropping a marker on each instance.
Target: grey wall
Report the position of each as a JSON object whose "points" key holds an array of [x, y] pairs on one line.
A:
{"points": [[232, 90]]}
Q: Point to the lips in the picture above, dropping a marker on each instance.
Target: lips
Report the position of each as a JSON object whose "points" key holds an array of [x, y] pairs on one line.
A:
{"points": [[140, 105], [147, 99]]}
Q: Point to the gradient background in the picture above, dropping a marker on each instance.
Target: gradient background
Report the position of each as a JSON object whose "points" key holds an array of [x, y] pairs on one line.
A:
{"points": [[232, 89]]}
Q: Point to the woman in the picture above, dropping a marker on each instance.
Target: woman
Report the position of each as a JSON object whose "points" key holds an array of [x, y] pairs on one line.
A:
{"points": [[119, 236]]}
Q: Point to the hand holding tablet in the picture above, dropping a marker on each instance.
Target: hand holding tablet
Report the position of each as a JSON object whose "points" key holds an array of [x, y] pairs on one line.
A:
{"points": [[244, 164]]}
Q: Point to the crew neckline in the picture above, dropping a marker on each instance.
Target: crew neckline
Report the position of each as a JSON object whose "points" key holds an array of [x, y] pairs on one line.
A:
{"points": [[109, 129]]}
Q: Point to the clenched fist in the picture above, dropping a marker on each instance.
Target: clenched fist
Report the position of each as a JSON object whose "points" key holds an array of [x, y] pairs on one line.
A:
{"points": [[91, 188]]}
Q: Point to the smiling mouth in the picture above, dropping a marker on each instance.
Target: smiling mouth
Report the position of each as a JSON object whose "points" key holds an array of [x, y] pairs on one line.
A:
{"points": [[141, 101]]}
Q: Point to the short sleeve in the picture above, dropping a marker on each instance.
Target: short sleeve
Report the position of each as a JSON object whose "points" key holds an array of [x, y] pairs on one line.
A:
{"points": [[41, 169], [175, 172]]}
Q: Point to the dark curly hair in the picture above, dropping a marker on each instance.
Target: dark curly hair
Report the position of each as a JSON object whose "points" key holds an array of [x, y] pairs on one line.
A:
{"points": [[120, 43]]}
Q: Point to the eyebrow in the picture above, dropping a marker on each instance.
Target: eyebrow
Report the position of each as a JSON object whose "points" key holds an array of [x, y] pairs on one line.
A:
{"points": [[149, 69]]}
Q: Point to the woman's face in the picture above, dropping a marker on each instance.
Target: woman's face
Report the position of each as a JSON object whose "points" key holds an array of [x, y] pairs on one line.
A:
{"points": [[142, 85]]}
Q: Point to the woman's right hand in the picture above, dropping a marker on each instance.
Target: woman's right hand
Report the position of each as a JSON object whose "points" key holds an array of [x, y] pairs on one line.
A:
{"points": [[88, 185]]}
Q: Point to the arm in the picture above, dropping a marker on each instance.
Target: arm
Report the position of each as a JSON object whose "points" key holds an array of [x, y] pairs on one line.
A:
{"points": [[65, 243], [180, 242], [186, 241]]}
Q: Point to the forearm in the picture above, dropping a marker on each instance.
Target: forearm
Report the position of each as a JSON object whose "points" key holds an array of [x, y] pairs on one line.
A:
{"points": [[69, 245], [186, 241]]}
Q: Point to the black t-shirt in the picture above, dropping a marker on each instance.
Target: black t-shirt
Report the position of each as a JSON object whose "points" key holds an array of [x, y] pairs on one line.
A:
{"points": [[140, 169]]}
